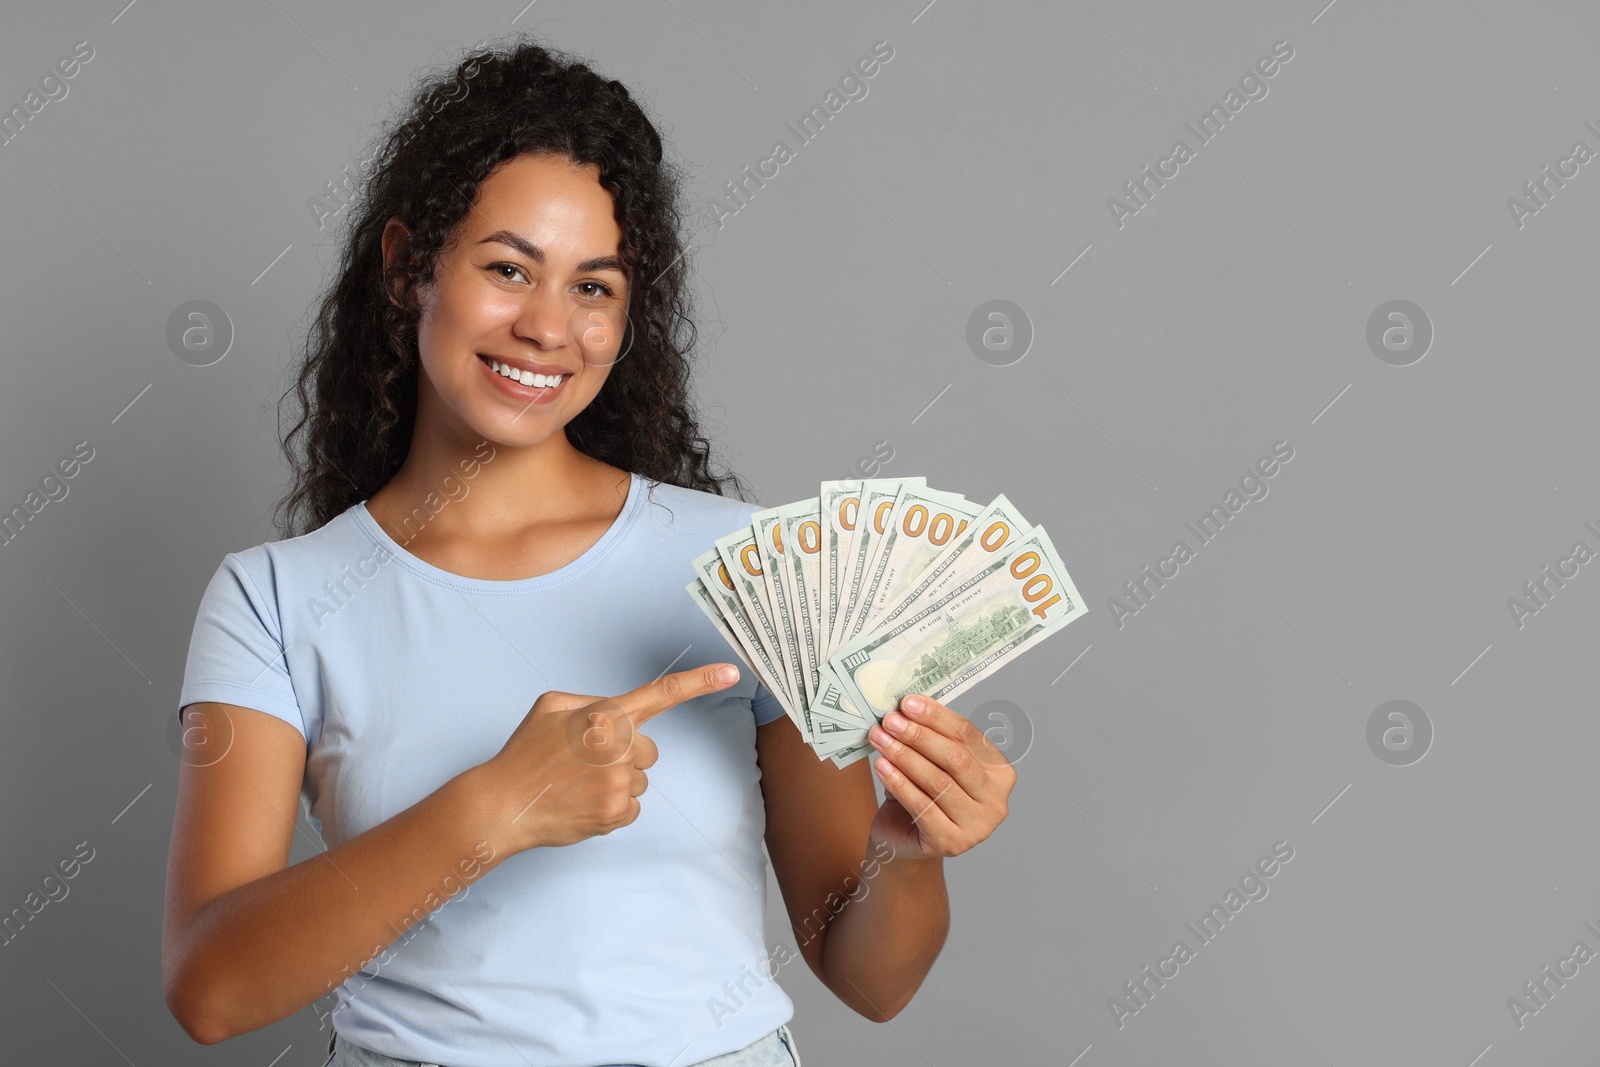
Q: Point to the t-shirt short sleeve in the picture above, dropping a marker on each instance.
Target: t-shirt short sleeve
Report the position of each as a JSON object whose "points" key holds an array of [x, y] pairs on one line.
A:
{"points": [[236, 653], [765, 705]]}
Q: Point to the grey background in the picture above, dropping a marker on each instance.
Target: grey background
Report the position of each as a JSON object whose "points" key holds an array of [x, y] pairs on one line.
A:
{"points": [[1227, 315]]}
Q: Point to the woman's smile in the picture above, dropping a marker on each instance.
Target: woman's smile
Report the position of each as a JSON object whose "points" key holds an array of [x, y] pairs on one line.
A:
{"points": [[537, 383]]}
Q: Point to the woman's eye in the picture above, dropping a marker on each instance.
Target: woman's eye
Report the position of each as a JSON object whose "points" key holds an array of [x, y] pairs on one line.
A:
{"points": [[591, 288]]}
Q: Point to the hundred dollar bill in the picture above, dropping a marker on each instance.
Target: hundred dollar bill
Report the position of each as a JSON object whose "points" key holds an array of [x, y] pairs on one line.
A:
{"points": [[742, 557], [878, 498], [835, 737], [719, 582], [991, 530], [877, 504], [994, 529], [828, 736], [831, 735], [849, 516], [780, 600], [1003, 608], [922, 522], [848, 756], [877, 501], [800, 528], [838, 508], [832, 703], [839, 503], [743, 643]]}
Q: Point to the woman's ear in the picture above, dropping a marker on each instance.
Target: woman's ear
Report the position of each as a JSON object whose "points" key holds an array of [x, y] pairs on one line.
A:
{"points": [[396, 249]]}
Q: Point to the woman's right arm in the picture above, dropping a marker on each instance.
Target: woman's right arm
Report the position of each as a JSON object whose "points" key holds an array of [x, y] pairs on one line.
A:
{"points": [[246, 940]]}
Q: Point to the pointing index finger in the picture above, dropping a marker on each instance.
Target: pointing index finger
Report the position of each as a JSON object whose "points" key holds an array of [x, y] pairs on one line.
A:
{"points": [[649, 700]]}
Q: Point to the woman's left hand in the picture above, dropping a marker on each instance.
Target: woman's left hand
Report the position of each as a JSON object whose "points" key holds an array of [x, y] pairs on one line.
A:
{"points": [[947, 782]]}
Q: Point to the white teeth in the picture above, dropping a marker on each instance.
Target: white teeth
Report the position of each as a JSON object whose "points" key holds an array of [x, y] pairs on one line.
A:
{"points": [[538, 381]]}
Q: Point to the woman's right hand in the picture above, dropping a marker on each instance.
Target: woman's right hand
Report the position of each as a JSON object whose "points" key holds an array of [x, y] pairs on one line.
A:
{"points": [[574, 767]]}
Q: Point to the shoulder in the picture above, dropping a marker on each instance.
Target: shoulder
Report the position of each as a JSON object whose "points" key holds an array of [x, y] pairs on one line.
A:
{"points": [[274, 568], [674, 511]]}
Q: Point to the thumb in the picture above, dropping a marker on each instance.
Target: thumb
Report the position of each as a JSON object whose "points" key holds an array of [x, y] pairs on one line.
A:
{"points": [[557, 700]]}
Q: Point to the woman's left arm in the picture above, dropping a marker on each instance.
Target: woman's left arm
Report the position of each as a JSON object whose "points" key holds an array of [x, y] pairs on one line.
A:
{"points": [[870, 925]]}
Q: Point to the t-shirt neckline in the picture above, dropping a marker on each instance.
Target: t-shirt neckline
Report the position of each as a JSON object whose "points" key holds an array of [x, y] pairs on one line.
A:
{"points": [[564, 573]]}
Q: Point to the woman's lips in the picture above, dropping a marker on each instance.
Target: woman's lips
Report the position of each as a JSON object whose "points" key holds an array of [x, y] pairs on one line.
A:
{"points": [[533, 394]]}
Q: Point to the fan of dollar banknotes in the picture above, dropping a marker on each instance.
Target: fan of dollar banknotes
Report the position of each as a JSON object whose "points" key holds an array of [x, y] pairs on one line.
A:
{"points": [[844, 602]]}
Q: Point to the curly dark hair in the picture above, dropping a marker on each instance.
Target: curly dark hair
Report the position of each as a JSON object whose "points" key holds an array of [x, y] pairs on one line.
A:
{"points": [[357, 384]]}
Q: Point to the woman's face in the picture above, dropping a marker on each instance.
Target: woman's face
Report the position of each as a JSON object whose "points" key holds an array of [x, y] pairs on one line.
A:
{"points": [[534, 282]]}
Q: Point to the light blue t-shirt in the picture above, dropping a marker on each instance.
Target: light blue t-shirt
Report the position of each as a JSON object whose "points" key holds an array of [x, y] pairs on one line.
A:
{"points": [[640, 947]]}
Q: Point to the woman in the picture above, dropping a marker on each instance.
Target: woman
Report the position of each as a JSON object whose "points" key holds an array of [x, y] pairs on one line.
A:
{"points": [[498, 494]]}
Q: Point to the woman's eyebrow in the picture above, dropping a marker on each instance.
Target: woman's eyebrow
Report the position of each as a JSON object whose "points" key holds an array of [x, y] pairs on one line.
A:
{"points": [[535, 253]]}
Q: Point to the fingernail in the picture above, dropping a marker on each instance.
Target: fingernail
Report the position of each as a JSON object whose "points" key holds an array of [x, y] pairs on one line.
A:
{"points": [[894, 721], [913, 704], [727, 675]]}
